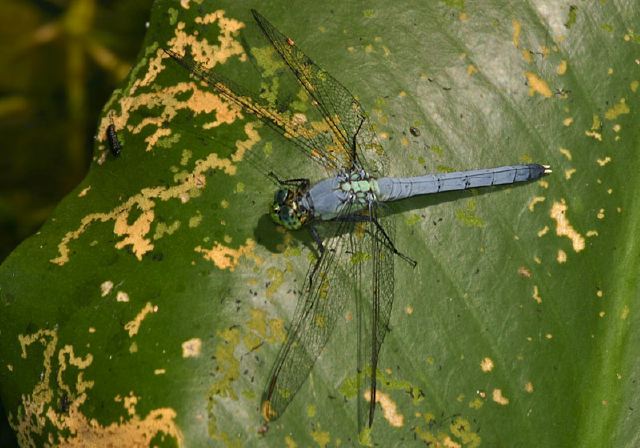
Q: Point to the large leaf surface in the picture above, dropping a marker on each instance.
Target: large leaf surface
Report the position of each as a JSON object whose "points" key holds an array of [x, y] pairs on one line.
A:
{"points": [[151, 306]]}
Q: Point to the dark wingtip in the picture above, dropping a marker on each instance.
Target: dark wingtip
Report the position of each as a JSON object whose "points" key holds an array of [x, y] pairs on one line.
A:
{"points": [[171, 53], [268, 413]]}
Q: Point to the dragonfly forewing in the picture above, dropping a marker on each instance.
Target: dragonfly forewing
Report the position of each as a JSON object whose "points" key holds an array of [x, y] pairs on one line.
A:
{"points": [[343, 112], [316, 142]]}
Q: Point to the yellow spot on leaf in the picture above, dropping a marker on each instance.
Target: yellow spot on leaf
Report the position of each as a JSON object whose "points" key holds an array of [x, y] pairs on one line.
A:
{"points": [[603, 162], [227, 258], [523, 271], [322, 438], [561, 257], [562, 68], [528, 387], [486, 365], [569, 172], [596, 126], [41, 416], [276, 279], [186, 156], [106, 287], [537, 85], [134, 326], [192, 348], [567, 121], [122, 296], [311, 410], [163, 229], [499, 398], [594, 134], [534, 201], [389, 408], [565, 152], [543, 231], [461, 429], [536, 295], [517, 28], [625, 313], [408, 310], [195, 220], [564, 228], [84, 191], [619, 109], [135, 234], [289, 442]]}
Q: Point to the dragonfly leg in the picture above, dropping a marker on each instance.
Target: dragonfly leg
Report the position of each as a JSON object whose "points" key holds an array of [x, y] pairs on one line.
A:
{"points": [[301, 182], [316, 237], [354, 143], [362, 218], [406, 258]]}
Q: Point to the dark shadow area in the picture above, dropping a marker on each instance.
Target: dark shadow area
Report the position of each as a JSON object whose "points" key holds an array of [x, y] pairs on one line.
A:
{"points": [[272, 237], [49, 108], [7, 436]]}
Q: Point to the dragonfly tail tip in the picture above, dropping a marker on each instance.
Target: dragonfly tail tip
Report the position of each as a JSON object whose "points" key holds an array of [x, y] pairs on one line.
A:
{"points": [[547, 169]]}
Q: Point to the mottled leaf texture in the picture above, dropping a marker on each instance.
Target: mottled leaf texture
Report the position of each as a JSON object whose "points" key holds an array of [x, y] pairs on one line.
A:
{"points": [[152, 306]]}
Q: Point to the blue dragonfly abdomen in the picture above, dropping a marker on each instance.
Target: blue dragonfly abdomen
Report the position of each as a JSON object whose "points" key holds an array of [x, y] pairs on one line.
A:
{"points": [[329, 198]]}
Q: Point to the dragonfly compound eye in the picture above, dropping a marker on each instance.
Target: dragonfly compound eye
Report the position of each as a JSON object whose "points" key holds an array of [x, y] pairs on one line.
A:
{"points": [[281, 196]]}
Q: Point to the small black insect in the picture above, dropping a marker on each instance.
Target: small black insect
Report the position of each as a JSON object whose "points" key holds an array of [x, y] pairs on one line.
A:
{"points": [[114, 143], [64, 403], [414, 131]]}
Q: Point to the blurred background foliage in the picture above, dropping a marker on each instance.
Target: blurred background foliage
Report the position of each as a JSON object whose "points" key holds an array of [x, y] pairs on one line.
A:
{"points": [[60, 60]]}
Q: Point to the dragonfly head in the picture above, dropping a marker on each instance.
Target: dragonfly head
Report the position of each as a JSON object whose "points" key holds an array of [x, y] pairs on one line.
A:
{"points": [[286, 211]]}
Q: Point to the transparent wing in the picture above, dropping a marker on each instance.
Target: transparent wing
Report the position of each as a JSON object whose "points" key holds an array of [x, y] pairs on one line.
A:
{"points": [[316, 144], [374, 300], [262, 158], [343, 113], [326, 291]]}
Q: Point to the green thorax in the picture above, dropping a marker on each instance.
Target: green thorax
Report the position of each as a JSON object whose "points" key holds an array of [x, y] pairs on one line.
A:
{"points": [[362, 188]]}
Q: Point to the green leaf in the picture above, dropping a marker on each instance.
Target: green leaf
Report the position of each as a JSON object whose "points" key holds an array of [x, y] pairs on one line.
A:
{"points": [[150, 307]]}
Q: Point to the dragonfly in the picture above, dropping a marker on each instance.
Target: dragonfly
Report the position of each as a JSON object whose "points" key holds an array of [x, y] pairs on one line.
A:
{"points": [[347, 213]]}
